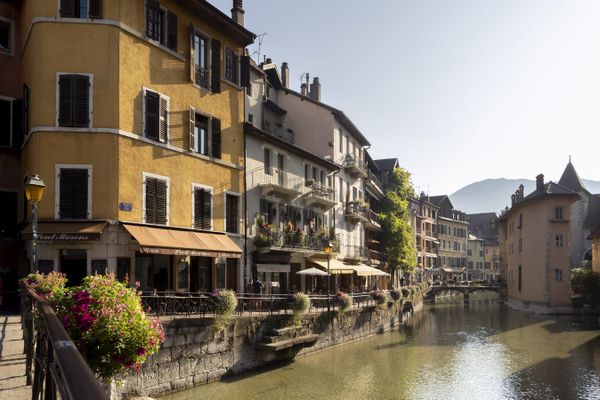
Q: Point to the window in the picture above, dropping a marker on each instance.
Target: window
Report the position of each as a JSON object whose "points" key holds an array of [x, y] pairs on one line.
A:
{"points": [[251, 118], [520, 278], [202, 208], [341, 142], [520, 221], [481, 253], [7, 36], [469, 253], [232, 63], [161, 25], [559, 240], [205, 53], [81, 8], [156, 116], [267, 161], [341, 187], [74, 192], [558, 213], [558, 275], [232, 219], [74, 98], [205, 134], [6, 109], [249, 89], [156, 200], [8, 215], [520, 245]]}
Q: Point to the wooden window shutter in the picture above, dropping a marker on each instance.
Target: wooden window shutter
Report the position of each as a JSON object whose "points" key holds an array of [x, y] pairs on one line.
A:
{"points": [[164, 121], [202, 208], [216, 138], [152, 16], [67, 8], [152, 110], [73, 193], [172, 31], [81, 101], [192, 54], [65, 98], [206, 210], [161, 202], [25, 125], [95, 11], [192, 131], [151, 200], [215, 79], [245, 71], [17, 121]]}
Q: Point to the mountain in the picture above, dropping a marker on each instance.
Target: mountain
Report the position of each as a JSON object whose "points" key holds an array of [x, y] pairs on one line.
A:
{"points": [[493, 195]]}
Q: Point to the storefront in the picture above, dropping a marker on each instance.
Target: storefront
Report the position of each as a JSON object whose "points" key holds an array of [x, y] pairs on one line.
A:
{"points": [[183, 260]]}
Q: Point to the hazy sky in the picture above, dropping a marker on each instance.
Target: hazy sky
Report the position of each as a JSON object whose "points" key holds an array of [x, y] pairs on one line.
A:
{"points": [[458, 91]]}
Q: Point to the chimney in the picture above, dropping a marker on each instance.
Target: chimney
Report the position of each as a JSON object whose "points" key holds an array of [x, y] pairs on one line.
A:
{"points": [[521, 192], [539, 182], [512, 199], [237, 12], [315, 89], [304, 89], [285, 74]]}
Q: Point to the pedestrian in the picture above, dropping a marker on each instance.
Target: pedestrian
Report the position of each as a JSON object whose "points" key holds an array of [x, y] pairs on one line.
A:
{"points": [[258, 290]]}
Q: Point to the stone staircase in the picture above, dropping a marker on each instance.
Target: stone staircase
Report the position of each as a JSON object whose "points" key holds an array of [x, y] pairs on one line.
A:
{"points": [[285, 343]]}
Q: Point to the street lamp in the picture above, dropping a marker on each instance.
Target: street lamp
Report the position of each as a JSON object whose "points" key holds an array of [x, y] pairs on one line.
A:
{"points": [[34, 190], [328, 250]]}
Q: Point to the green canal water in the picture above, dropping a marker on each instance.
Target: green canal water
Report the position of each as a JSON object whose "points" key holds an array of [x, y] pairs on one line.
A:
{"points": [[483, 351]]}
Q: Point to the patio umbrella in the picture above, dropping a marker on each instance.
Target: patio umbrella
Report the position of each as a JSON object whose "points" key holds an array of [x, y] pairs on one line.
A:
{"points": [[312, 271]]}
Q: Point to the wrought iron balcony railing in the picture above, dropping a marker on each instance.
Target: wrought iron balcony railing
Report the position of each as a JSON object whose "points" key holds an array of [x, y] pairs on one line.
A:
{"points": [[355, 166]]}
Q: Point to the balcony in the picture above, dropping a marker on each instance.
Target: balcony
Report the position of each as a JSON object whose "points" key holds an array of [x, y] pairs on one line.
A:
{"points": [[273, 181], [374, 184], [356, 212], [357, 253], [354, 166], [373, 223], [270, 238], [320, 196], [376, 257]]}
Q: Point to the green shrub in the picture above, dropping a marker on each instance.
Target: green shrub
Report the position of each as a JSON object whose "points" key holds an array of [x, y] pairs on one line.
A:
{"points": [[343, 301], [299, 303]]}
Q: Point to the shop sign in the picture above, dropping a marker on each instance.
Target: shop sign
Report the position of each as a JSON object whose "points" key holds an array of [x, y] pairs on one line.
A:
{"points": [[68, 236], [125, 206]]}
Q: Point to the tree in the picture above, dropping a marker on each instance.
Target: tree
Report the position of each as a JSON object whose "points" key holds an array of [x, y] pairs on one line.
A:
{"points": [[398, 235]]}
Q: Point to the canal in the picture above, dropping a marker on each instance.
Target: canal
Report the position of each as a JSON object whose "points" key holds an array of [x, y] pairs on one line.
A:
{"points": [[453, 351]]}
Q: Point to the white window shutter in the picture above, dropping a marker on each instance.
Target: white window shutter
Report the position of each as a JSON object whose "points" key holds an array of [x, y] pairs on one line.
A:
{"points": [[163, 120], [192, 132]]}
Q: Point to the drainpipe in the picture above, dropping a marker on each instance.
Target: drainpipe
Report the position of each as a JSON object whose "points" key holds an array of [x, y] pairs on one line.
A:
{"points": [[245, 201]]}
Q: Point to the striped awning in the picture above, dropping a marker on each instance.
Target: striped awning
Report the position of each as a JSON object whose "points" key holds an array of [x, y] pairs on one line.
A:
{"points": [[336, 267], [183, 242]]}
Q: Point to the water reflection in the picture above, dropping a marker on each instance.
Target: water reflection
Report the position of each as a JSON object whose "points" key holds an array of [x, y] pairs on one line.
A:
{"points": [[483, 351]]}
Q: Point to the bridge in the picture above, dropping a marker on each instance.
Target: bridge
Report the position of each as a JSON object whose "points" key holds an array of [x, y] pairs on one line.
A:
{"points": [[465, 290]]}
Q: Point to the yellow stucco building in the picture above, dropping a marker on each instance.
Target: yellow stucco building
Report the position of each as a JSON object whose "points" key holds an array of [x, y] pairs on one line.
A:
{"points": [[135, 121]]}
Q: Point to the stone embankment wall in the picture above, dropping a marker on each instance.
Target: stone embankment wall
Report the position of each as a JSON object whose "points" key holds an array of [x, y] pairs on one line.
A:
{"points": [[196, 353]]}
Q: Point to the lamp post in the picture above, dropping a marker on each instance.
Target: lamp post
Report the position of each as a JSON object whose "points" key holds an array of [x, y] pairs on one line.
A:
{"points": [[328, 250], [34, 190]]}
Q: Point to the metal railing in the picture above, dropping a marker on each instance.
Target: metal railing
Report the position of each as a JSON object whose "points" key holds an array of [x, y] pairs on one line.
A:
{"points": [[59, 367], [356, 210], [354, 163], [375, 179], [275, 176], [374, 218], [277, 238], [319, 190], [201, 304], [376, 255], [202, 75]]}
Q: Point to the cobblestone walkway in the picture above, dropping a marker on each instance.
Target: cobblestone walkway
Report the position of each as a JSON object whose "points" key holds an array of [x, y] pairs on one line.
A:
{"points": [[12, 360]]}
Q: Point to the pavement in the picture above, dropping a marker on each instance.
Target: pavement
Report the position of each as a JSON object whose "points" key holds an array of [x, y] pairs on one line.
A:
{"points": [[12, 360]]}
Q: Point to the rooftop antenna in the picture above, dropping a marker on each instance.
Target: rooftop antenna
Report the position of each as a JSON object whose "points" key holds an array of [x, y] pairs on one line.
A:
{"points": [[303, 76], [260, 38]]}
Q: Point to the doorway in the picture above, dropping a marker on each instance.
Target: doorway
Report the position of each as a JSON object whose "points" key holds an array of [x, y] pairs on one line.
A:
{"points": [[73, 263]]}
